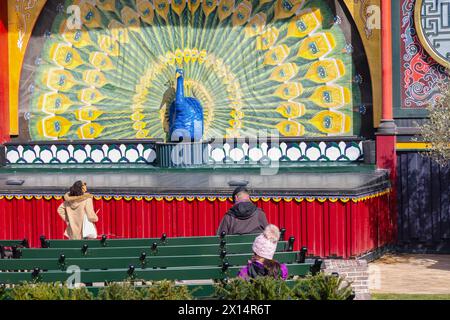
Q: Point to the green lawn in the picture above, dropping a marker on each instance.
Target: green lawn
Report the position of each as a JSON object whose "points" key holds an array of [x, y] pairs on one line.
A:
{"points": [[393, 296]]}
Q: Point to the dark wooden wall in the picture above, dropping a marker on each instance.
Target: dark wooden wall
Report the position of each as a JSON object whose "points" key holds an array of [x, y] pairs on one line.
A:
{"points": [[423, 204]]}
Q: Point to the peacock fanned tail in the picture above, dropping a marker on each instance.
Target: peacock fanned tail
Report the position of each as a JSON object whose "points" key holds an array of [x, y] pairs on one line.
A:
{"points": [[282, 66]]}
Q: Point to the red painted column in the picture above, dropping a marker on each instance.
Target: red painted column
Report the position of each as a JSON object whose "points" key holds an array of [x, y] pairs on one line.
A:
{"points": [[4, 73], [386, 135]]}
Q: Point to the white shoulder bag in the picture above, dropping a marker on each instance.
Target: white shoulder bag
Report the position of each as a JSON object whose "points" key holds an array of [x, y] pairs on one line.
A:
{"points": [[89, 229]]}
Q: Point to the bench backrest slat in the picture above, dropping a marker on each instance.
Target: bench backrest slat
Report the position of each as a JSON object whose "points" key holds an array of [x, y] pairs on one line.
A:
{"points": [[136, 251], [149, 241]]}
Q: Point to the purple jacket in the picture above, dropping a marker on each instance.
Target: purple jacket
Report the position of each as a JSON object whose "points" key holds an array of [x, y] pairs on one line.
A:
{"points": [[244, 272]]}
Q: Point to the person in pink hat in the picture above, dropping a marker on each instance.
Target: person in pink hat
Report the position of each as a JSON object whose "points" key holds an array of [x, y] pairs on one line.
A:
{"points": [[262, 263]]}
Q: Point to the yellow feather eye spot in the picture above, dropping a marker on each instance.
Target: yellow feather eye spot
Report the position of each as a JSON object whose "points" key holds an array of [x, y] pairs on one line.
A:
{"points": [[90, 131], [187, 55], [53, 127], [162, 8], [179, 56], [193, 5], [286, 8], [289, 128], [242, 13], [94, 78], [90, 96], [178, 6], [284, 72], [305, 23], [170, 58], [226, 8], [107, 5], [326, 70], [209, 6], [88, 114], [267, 39], [137, 116], [289, 90], [202, 57], [194, 55], [55, 103], [291, 110], [256, 25], [109, 45], [332, 122], [101, 61], [237, 114], [77, 38], [130, 18], [139, 125], [317, 46], [277, 55], [235, 124], [90, 16], [141, 134], [65, 56], [332, 96], [60, 80], [145, 9]]}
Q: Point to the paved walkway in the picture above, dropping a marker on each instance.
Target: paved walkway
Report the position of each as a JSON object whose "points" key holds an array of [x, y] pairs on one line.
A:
{"points": [[410, 274]]}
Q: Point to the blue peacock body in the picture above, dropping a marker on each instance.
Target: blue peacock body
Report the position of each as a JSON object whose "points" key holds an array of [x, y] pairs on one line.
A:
{"points": [[185, 115], [284, 66]]}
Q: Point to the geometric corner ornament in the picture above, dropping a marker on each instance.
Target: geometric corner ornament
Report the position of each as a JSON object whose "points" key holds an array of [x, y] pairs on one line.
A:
{"points": [[432, 21]]}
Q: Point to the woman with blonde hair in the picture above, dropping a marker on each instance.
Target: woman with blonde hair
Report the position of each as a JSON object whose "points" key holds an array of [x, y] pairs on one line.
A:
{"points": [[262, 263], [77, 211]]}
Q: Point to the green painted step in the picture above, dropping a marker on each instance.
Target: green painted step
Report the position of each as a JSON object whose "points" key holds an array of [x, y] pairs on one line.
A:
{"points": [[149, 241], [125, 262], [209, 249], [183, 273]]}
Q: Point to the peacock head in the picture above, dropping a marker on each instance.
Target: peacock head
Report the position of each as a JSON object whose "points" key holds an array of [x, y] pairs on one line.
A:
{"points": [[180, 73]]}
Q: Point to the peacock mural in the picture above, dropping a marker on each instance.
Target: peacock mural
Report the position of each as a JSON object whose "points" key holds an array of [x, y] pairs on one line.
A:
{"points": [[283, 66]]}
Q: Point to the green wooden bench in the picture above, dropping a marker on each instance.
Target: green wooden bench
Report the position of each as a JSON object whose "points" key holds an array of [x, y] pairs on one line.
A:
{"points": [[163, 240], [85, 251], [119, 275], [142, 261]]}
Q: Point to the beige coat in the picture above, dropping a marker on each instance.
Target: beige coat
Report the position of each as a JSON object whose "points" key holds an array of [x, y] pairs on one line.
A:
{"points": [[72, 211]]}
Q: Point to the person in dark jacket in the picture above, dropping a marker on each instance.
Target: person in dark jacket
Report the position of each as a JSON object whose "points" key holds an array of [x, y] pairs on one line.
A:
{"points": [[244, 217]]}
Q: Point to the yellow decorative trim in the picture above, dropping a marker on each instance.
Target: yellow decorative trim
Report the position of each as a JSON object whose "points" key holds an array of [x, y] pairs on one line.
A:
{"points": [[412, 145], [203, 198], [423, 40]]}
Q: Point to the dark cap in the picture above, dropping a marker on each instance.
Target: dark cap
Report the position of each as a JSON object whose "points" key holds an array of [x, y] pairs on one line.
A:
{"points": [[239, 190]]}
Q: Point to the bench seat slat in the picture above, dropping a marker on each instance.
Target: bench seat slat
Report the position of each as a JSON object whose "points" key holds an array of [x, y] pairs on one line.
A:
{"points": [[124, 262]]}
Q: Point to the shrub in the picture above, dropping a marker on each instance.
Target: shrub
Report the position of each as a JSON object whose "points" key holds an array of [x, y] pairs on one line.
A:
{"points": [[120, 291], [261, 288], [322, 287], [46, 291], [167, 290], [162, 290]]}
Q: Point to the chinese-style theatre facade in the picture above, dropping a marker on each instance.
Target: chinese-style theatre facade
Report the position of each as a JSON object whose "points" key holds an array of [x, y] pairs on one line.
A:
{"points": [[312, 104]]}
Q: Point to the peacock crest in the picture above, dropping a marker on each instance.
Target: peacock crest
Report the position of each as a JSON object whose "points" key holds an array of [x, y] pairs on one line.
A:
{"points": [[278, 65]]}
